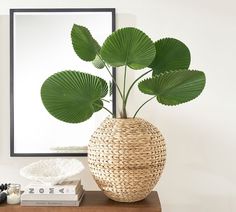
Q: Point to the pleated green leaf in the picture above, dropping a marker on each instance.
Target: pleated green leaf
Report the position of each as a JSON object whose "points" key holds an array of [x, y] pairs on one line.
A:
{"points": [[128, 46], [174, 87], [171, 54], [70, 96], [104, 88], [85, 46], [98, 105]]}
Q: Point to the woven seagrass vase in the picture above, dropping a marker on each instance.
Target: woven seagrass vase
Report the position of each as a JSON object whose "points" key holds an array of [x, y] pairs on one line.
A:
{"points": [[126, 158]]}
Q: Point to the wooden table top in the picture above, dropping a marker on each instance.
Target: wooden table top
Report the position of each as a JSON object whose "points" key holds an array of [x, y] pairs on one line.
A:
{"points": [[94, 201]]}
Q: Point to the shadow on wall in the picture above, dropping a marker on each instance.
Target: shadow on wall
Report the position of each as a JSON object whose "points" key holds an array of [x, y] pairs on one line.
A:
{"points": [[4, 86], [126, 20], [10, 166]]}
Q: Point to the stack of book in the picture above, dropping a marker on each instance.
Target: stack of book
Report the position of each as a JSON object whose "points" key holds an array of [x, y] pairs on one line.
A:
{"points": [[69, 193]]}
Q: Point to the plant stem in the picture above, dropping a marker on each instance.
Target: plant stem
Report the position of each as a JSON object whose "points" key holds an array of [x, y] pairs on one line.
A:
{"points": [[124, 113], [108, 101], [108, 110], [127, 95], [124, 80], [143, 105], [118, 88]]}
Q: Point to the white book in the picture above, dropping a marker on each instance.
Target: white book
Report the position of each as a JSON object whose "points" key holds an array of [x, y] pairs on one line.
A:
{"points": [[68, 187], [59, 197], [51, 202]]}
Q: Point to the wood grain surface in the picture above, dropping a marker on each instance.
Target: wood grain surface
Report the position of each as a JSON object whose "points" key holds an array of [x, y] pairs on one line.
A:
{"points": [[95, 201]]}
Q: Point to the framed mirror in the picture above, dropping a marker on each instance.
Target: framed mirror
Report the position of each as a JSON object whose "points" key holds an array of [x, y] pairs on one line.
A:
{"points": [[40, 45]]}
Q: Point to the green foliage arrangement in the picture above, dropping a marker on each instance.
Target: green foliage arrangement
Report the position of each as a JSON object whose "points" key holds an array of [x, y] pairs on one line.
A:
{"points": [[73, 96]]}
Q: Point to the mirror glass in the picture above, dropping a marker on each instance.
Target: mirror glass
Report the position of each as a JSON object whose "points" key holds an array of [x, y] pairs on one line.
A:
{"points": [[41, 46]]}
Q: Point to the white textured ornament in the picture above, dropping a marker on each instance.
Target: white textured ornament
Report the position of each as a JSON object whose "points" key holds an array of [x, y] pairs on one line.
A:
{"points": [[52, 171]]}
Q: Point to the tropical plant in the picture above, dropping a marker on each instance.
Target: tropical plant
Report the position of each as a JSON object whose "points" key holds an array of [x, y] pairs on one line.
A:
{"points": [[73, 96]]}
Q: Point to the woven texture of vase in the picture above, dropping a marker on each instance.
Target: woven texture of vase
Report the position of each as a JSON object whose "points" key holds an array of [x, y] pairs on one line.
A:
{"points": [[126, 158]]}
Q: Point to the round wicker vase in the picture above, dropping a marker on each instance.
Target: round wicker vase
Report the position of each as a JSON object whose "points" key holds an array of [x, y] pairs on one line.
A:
{"points": [[126, 158]]}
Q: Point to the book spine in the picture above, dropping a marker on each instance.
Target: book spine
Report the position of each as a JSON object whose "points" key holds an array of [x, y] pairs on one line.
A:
{"points": [[48, 203], [51, 203], [50, 190], [52, 197], [45, 197]]}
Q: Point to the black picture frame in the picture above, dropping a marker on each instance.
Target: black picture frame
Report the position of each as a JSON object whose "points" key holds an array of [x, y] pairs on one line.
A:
{"points": [[54, 10]]}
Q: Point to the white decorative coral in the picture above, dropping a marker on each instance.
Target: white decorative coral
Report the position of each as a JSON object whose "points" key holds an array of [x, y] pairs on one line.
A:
{"points": [[52, 171]]}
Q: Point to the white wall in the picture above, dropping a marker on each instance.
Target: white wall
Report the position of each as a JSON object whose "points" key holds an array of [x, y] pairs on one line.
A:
{"points": [[200, 175]]}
